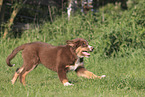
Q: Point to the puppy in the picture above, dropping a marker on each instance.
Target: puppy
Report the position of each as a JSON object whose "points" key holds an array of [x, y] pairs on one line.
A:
{"points": [[61, 59]]}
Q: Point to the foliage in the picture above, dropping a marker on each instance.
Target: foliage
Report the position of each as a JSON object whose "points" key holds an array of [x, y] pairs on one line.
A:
{"points": [[113, 31]]}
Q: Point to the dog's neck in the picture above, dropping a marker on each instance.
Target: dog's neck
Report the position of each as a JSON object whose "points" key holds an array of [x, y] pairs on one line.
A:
{"points": [[81, 60]]}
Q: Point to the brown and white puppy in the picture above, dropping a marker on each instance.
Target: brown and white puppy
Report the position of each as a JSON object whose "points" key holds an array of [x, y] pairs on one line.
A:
{"points": [[57, 58]]}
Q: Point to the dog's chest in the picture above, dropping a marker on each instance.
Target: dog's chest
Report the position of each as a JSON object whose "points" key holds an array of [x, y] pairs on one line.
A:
{"points": [[77, 64]]}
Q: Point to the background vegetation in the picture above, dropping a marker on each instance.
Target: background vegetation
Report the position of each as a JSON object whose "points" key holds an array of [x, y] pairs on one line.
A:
{"points": [[119, 40]]}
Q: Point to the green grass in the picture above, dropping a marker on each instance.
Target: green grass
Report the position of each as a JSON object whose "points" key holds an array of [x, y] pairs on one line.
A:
{"points": [[118, 38], [125, 77]]}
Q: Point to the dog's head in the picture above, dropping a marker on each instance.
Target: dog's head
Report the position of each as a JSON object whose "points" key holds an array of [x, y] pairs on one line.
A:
{"points": [[81, 47]]}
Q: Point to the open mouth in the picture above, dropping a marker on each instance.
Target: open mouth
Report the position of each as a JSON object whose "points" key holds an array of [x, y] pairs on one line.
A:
{"points": [[85, 53]]}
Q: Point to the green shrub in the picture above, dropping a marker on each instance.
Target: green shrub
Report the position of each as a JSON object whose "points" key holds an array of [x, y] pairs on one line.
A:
{"points": [[122, 31], [111, 31]]}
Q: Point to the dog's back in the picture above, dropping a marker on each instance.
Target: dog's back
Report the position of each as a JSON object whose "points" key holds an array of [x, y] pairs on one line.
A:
{"points": [[44, 53]]}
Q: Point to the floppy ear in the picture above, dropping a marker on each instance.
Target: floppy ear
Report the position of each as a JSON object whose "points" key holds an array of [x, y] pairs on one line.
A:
{"points": [[70, 42]]}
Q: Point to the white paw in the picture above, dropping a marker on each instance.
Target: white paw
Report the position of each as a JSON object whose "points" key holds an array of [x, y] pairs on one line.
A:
{"points": [[103, 76], [68, 84], [12, 82]]}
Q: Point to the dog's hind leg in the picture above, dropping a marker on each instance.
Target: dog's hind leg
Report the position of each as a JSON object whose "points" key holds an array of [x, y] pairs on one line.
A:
{"points": [[25, 72], [17, 73], [31, 60]]}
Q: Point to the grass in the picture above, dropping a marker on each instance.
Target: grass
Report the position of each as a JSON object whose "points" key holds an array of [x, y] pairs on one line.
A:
{"points": [[125, 77], [119, 42]]}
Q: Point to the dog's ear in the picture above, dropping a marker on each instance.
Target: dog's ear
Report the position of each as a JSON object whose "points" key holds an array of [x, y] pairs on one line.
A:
{"points": [[70, 42]]}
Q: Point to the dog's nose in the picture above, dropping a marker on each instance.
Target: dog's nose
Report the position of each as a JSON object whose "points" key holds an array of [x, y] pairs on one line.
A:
{"points": [[91, 48]]}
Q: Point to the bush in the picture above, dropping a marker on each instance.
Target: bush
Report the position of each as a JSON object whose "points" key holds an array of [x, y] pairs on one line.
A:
{"points": [[112, 31], [123, 30]]}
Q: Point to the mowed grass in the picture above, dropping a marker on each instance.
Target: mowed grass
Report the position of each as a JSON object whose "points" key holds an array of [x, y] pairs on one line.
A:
{"points": [[125, 76]]}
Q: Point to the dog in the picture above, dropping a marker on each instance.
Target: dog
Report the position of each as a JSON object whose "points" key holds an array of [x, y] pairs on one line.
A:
{"points": [[60, 59]]}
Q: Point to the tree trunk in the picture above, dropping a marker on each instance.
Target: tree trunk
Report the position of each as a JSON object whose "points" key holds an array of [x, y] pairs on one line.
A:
{"points": [[11, 20], [1, 3], [2, 11], [17, 7]]}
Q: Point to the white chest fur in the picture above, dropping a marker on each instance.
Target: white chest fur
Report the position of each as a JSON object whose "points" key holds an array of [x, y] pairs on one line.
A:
{"points": [[77, 64]]}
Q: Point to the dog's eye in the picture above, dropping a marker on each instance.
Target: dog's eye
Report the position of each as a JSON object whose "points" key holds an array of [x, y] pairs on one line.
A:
{"points": [[84, 44]]}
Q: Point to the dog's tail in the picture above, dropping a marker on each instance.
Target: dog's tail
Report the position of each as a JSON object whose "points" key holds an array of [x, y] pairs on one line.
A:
{"points": [[13, 54]]}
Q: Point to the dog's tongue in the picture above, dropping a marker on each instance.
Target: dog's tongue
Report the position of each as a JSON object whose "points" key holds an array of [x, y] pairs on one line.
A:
{"points": [[85, 53]]}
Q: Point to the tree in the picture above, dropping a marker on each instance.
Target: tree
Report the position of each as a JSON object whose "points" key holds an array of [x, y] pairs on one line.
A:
{"points": [[1, 3], [16, 7]]}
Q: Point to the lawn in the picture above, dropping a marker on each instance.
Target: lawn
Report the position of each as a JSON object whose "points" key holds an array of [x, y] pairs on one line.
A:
{"points": [[124, 77]]}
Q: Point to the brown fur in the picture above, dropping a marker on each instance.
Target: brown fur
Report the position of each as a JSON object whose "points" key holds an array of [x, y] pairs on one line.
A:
{"points": [[56, 58]]}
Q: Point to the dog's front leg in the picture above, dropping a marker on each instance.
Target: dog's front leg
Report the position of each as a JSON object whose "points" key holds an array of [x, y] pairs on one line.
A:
{"points": [[81, 71], [62, 75]]}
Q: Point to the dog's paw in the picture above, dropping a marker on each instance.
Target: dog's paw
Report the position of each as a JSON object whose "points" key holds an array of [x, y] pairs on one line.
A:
{"points": [[68, 84], [103, 76], [12, 81]]}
